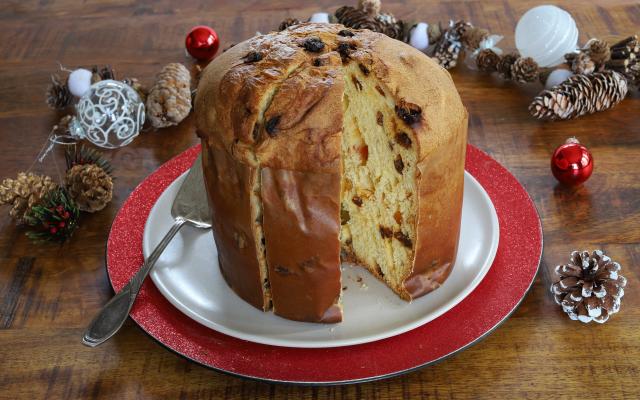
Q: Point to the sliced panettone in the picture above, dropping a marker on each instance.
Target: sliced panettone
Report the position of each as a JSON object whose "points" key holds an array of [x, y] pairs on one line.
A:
{"points": [[323, 144]]}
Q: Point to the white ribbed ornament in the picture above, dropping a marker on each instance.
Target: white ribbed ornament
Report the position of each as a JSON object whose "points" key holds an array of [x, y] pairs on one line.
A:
{"points": [[546, 33]]}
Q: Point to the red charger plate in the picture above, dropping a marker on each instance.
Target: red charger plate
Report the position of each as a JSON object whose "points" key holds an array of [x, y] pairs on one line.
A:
{"points": [[495, 298]]}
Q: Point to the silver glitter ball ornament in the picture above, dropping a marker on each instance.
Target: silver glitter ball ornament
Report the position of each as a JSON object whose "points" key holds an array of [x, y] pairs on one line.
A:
{"points": [[110, 115]]}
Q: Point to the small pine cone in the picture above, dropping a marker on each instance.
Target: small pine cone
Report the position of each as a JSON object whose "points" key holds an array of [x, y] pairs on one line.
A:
{"points": [[58, 95], [581, 64], [89, 186], [505, 64], [370, 7], [169, 100], [624, 58], [598, 51], [101, 74], [24, 192], [287, 23], [138, 87], [62, 127], [367, 16], [434, 31], [356, 18], [590, 287], [524, 70], [580, 95], [487, 60], [392, 27], [447, 50], [472, 36]]}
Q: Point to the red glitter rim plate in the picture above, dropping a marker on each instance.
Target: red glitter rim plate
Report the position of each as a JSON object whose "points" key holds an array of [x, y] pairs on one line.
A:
{"points": [[495, 298]]}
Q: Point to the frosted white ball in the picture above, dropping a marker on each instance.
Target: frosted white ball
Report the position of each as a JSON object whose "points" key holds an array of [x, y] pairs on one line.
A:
{"points": [[320, 17], [79, 82], [556, 77], [419, 37], [546, 33]]}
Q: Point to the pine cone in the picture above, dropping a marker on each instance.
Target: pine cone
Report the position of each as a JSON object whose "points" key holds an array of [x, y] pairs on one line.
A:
{"points": [[598, 51], [169, 100], [287, 23], [624, 57], [487, 60], [101, 74], [368, 16], [24, 192], [580, 95], [447, 50], [505, 64], [524, 70], [58, 95], [138, 87], [89, 186], [62, 127], [590, 287], [472, 36], [580, 63], [370, 7]]}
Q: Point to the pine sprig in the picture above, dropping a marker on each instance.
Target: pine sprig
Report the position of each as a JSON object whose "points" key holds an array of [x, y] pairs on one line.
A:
{"points": [[55, 218], [82, 155]]}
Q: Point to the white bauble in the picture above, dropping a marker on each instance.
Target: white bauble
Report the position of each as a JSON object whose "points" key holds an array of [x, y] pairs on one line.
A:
{"points": [[79, 82], [320, 17], [419, 37], [546, 33], [556, 77]]}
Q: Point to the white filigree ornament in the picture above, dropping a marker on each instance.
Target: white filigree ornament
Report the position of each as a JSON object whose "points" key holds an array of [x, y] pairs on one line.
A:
{"points": [[109, 115]]}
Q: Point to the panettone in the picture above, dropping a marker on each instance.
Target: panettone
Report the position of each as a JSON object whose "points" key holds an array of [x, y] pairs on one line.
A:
{"points": [[324, 144]]}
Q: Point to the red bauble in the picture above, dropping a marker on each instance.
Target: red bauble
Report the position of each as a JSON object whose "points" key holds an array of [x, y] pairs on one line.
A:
{"points": [[572, 163], [202, 42]]}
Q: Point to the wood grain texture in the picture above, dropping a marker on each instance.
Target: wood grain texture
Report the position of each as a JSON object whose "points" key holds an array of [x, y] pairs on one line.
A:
{"points": [[49, 293]]}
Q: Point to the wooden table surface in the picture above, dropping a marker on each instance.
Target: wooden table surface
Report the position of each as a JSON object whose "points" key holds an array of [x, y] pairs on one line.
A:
{"points": [[49, 293]]}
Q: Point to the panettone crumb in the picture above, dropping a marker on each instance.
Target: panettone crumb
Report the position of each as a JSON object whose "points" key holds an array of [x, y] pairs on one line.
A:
{"points": [[380, 230]]}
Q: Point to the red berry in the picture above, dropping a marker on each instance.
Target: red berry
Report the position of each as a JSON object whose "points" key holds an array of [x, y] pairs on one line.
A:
{"points": [[66, 215], [53, 230], [61, 224]]}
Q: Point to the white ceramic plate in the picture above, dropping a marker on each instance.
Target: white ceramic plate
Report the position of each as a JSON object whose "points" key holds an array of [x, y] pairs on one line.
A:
{"points": [[187, 274]]}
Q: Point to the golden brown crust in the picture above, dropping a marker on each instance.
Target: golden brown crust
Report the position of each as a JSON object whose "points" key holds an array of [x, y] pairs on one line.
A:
{"points": [[301, 226], [229, 186]]}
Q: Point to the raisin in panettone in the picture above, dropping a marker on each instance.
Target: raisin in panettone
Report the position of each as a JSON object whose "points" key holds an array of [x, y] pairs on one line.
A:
{"points": [[322, 145]]}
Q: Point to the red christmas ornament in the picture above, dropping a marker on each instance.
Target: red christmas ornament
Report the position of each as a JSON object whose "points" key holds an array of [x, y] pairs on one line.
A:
{"points": [[202, 42], [572, 163]]}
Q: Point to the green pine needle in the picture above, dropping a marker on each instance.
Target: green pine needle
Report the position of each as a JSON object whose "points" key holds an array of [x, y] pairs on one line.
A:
{"points": [[55, 218], [81, 155]]}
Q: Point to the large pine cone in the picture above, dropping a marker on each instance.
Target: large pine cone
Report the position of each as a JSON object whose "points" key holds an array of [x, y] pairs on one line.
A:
{"points": [[580, 95], [24, 192], [89, 186], [169, 100], [590, 287]]}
